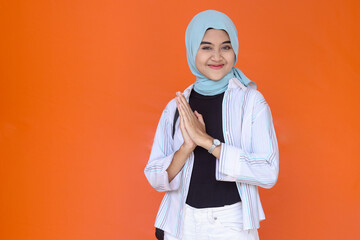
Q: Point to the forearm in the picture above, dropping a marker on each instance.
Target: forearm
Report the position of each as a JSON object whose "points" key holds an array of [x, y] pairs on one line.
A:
{"points": [[255, 165], [206, 143], [178, 161], [259, 169]]}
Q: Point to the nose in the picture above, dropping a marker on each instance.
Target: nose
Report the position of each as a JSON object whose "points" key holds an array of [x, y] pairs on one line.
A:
{"points": [[216, 56]]}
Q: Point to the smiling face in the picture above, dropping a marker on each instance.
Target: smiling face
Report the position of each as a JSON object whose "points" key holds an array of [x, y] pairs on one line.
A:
{"points": [[215, 57]]}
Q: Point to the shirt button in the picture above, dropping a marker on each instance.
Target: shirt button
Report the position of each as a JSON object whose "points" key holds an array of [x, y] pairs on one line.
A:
{"points": [[215, 218]]}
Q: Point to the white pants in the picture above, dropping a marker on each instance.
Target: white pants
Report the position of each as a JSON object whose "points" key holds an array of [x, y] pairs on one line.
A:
{"points": [[219, 223]]}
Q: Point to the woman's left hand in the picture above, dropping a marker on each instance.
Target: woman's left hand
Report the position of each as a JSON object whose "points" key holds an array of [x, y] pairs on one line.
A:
{"points": [[194, 122]]}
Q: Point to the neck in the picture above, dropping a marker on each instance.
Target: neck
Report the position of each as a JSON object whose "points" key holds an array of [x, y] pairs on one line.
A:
{"points": [[209, 87]]}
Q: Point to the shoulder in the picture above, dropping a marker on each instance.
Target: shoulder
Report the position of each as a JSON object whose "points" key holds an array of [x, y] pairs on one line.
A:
{"points": [[250, 91], [259, 97], [250, 96], [169, 110], [247, 92], [171, 105], [251, 100]]}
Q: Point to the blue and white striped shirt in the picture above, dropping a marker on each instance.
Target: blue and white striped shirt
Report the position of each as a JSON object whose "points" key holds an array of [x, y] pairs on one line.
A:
{"points": [[249, 157]]}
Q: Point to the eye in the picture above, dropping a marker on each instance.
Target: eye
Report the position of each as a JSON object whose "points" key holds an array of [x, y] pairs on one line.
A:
{"points": [[206, 48], [227, 47]]}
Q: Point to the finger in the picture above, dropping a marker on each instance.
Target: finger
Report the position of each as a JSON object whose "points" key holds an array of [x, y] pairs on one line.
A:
{"points": [[183, 130], [182, 123], [200, 119], [178, 104], [186, 107], [182, 112], [183, 101], [182, 126]]}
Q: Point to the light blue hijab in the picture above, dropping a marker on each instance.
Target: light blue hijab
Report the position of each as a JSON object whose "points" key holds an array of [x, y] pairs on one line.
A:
{"points": [[193, 37]]}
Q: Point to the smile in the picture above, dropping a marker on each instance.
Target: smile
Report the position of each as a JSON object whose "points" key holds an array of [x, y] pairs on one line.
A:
{"points": [[216, 67]]}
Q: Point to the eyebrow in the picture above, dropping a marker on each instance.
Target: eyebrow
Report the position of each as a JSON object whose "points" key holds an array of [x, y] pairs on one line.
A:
{"points": [[204, 42]]}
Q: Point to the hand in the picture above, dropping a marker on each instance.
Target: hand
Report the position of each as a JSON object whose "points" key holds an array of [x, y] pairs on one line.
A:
{"points": [[193, 122], [189, 145]]}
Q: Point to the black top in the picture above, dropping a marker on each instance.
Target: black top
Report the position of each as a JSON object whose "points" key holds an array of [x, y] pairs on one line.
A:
{"points": [[204, 190]]}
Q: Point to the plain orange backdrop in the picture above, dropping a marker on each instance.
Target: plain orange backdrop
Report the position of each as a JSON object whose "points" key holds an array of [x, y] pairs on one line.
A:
{"points": [[83, 85]]}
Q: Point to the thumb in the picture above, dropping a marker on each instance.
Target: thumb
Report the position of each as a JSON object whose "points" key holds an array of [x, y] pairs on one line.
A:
{"points": [[199, 116]]}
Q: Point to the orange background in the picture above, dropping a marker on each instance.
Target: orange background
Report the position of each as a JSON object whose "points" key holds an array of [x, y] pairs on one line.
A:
{"points": [[83, 84]]}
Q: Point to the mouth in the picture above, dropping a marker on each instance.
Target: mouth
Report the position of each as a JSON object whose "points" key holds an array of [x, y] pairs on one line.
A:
{"points": [[216, 67]]}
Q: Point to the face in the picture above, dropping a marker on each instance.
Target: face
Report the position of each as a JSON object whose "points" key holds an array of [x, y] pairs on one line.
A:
{"points": [[215, 57]]}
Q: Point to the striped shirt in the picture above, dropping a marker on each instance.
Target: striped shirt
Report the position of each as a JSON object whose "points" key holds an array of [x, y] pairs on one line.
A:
{"points": [[249, 157]]}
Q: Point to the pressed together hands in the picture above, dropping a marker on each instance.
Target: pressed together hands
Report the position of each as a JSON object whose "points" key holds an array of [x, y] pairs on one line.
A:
{"points": [[193, 130]]}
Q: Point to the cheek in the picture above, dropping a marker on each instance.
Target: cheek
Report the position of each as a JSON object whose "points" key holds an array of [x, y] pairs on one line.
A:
{"points": [[200, 60], [231, 58]]}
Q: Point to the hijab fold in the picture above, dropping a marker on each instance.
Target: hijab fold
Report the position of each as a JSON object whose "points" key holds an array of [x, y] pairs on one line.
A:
{"points": [[193, 37]]}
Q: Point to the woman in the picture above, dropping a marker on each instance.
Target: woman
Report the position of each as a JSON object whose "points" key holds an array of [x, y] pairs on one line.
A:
{"points": [[211, 159]]}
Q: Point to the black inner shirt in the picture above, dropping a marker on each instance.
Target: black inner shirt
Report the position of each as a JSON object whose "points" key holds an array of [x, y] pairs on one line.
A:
{"points": [[204, 190]]}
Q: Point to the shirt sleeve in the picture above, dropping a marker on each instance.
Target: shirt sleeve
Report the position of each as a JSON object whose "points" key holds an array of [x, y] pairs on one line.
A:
{"points": [[162, 153], [259, 166]]}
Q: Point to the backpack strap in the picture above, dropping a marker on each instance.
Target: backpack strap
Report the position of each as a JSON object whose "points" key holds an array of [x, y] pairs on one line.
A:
{"points": [[159, 234], [176, 116]]}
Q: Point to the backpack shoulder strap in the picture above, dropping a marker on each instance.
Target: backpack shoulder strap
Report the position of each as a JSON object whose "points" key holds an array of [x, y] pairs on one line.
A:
{"points": [[176, 116]]}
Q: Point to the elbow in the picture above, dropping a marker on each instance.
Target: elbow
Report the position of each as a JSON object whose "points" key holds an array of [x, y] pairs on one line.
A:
{"points": [[159, 182], [273, 173], [271, 181], [159, 188], [153, 181], [269, 184], [156, 184]]}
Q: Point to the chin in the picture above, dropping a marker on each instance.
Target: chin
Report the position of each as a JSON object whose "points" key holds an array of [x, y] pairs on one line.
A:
{"points": [[215, 78]]}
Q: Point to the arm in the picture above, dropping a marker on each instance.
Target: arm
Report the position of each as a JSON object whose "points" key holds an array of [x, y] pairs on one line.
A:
{"points": [[261, 165], [161, 156], [178, 162], [164, 166]]}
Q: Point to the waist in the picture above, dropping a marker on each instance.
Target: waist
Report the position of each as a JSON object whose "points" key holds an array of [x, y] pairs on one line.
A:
{"points": [[227, 208]]}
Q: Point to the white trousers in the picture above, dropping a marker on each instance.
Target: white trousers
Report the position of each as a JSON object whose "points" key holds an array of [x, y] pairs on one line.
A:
{"points": [[219, 223]]}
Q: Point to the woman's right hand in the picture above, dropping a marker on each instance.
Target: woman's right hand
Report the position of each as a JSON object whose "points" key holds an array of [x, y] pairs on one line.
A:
{"points": [[183, 153], [188, 145]]}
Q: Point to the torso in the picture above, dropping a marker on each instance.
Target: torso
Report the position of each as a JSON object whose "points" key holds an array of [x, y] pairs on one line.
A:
{"points": [[204, 190]]}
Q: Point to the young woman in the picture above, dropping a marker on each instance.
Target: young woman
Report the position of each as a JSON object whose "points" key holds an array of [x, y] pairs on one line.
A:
{"points": [[215, 143]]}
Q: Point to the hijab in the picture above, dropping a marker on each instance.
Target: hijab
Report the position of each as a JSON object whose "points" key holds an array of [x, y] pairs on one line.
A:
{"points": [[193, 37]]}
